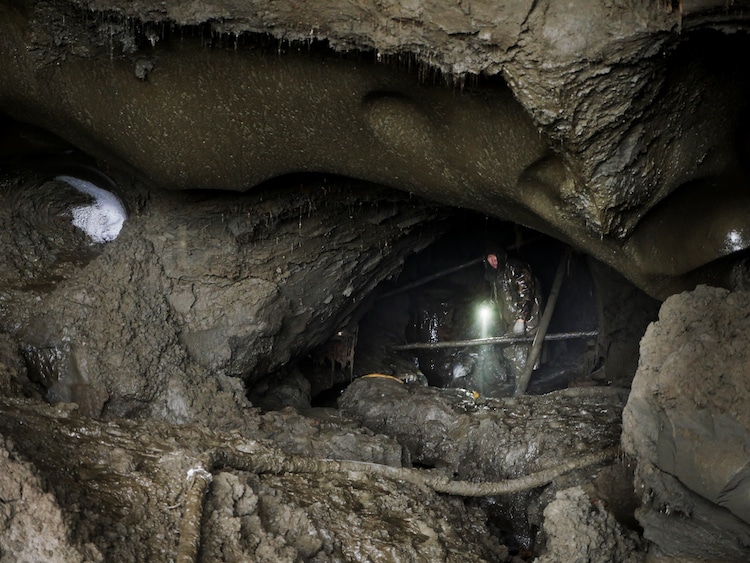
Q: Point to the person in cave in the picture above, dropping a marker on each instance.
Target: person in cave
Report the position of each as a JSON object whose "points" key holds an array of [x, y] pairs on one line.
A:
{"points": [[515, 292]]}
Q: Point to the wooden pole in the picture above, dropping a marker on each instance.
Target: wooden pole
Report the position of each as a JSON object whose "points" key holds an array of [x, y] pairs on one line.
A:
{"points": [[430, 278], [492, 340], [536, 348], [442, 273]]}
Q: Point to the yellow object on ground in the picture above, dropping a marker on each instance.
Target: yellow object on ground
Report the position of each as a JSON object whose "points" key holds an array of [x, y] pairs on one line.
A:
{"points": [[383, 375]]}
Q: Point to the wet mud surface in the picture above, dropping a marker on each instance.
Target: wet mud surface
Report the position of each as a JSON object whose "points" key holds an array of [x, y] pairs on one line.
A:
{"points": [[122, 495], [131, 328], [158, 386], [478, 439]]}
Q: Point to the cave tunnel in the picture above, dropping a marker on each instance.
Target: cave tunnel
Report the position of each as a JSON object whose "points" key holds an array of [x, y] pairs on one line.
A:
{"points": [[260, 280], [431, 294], [438, 297]]}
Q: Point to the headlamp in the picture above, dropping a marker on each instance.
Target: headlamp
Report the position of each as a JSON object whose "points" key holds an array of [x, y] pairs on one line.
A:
{"points": [[484, 313]]}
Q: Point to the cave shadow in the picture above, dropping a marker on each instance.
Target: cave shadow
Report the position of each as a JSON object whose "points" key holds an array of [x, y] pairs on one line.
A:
{"points": [[404, 311]]}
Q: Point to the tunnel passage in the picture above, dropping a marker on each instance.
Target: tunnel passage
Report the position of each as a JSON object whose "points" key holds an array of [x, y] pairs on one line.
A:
{"points": [[246, 285], [440, 296]]}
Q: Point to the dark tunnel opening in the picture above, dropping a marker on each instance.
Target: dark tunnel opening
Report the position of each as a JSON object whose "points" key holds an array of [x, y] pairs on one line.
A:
{"points": [[437, 298]]}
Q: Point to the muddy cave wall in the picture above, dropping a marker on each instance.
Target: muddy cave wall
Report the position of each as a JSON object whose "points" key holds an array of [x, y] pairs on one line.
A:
{"points": [[172, 270], [211, 293]]}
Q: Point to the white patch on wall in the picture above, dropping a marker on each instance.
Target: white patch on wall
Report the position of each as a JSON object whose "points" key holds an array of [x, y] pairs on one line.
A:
{"points": [[101, 220], [734, 241]]}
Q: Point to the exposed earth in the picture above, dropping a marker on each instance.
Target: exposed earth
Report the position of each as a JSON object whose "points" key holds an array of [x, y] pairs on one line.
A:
{"points": [[244, 249]]}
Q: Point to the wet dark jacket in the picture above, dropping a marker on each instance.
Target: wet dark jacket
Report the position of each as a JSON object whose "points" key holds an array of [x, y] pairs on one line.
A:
{"points": [[516, 292]]}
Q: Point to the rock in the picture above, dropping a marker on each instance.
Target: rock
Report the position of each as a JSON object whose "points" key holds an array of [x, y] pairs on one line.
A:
{"points": [[580, 530], [32, 525], [194, 285], [627, 165], [687, 425], [485, 438]]}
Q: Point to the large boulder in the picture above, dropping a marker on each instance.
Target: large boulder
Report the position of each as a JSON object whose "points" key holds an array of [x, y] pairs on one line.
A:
{"points": [[687, 423]]}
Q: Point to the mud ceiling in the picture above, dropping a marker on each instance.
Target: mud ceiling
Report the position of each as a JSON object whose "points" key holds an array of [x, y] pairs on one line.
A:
{"points": [[631, 103]]}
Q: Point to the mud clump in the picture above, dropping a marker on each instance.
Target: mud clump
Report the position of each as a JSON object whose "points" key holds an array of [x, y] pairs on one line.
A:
{"points": [[484, 439], [579, 529], [275, 518], [33, 527]]}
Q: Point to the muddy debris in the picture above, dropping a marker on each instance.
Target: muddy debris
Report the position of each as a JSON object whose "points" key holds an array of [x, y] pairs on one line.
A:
{"points": [[485, 438], [580, 528], [135, 491], [199, 204]]}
